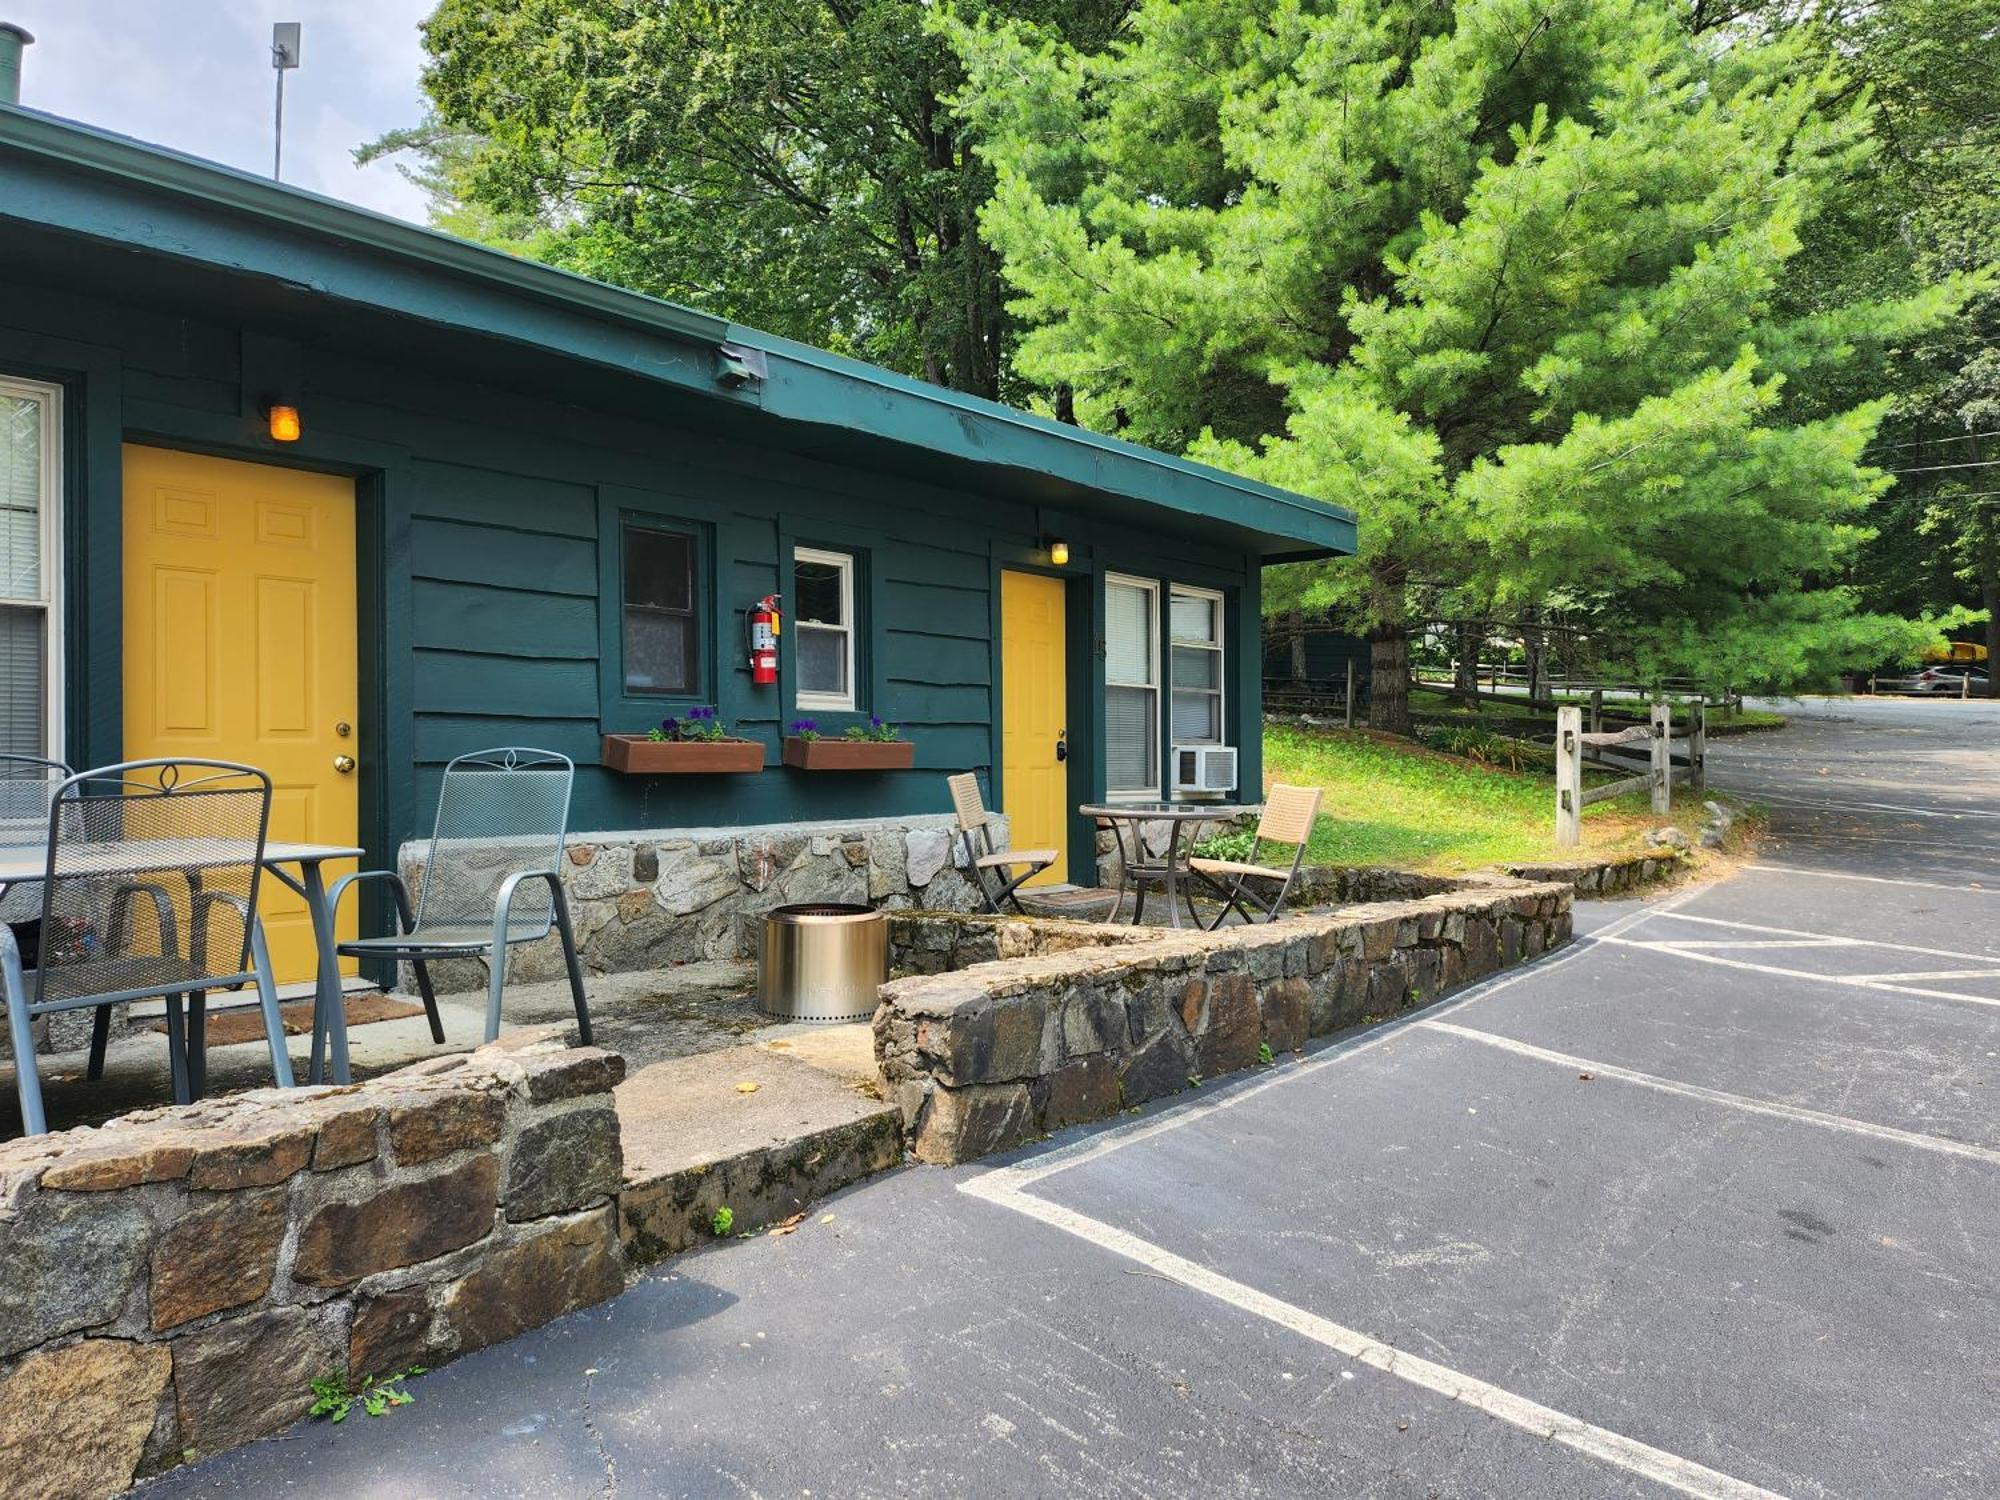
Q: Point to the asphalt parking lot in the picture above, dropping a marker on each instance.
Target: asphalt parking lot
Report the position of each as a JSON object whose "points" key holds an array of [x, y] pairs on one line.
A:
{"points": [[1706, 1204]]}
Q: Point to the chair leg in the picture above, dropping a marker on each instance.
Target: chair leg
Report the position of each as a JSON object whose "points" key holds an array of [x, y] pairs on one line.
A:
{"points": [[100, 1041], [27, 1082], [402, 898], [197, 1044], [267, 1002], [177, 1067], [496, 981], [575, 964]]}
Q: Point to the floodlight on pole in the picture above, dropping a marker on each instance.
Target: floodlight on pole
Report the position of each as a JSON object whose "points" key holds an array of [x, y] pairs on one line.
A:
{"points": [[284, 57]]}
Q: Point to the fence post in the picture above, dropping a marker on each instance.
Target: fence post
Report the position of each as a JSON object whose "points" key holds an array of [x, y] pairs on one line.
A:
{"points": [[1569, 777], [1597, 710], [1663, 758], [1350, 692], [1698, 751]]}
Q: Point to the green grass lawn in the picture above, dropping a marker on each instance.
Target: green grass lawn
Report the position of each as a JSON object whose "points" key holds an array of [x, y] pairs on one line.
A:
{"points": [[1390, 802]]}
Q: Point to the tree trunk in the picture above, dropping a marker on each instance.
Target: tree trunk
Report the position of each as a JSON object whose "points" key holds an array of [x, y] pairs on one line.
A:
{"points": [[1389, 679], [1535, 646], [1465, 674], [1989, 595]]}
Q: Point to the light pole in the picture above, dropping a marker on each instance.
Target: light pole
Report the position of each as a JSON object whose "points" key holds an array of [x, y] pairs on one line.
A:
{"points": [[284, 57]]}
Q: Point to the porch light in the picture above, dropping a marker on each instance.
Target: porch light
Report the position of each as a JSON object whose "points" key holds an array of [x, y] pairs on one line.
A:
{"points": [[1059, 553], [284, 424]]}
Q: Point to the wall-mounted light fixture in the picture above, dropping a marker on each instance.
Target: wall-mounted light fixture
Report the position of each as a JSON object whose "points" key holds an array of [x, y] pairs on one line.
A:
{"points": [[1059, 552], [284, 423]]}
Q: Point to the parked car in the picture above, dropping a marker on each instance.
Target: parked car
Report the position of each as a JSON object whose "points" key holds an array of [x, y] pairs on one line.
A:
{"points": [[1947, 677]]}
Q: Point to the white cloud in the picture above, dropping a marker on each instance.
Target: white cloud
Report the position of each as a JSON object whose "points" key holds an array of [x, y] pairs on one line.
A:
{"points": [[196, 75]]}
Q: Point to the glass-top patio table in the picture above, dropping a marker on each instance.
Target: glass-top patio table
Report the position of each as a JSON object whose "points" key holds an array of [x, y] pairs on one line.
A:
{"points": [[1136, 866]]}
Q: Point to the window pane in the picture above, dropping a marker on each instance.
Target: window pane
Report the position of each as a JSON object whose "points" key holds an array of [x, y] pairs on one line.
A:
{"points": [[1194, 619], [659, 568], [1128, 634], [816, 592], [1197, 667], [20, 497], [1197, 718], [1131, 740], [823, 662], [659, 652], [22, 690]]}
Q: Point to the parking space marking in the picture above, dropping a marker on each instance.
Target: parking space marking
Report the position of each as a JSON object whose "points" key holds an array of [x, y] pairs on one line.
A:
{"points": [[1850, 981], [1811, 942], [1943, 1145], [1928, 885], [1830, 939], [1544, 1422]]}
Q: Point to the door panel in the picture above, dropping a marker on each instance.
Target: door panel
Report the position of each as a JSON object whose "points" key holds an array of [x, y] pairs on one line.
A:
{"points": [[1034, 710], [240, 639]]}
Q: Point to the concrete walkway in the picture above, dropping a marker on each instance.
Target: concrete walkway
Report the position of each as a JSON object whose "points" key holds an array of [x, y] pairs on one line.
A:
{"points": [[1707, 1204]]}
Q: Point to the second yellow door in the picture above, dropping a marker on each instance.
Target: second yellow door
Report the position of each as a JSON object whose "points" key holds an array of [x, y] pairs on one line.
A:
{"points": [[1034, 711], [240, 639]]}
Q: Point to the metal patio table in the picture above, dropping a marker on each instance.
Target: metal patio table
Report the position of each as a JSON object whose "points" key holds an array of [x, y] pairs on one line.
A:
{"points": [[22, 864], [1135, 866]]}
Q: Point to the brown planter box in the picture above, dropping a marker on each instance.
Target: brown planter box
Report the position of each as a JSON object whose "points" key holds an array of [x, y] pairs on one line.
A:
{"points": [[849, 755], [635, 755]]}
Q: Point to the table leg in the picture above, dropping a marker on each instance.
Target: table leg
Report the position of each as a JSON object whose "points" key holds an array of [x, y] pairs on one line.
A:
{"points": [[329, 1010], [1173, 872]]}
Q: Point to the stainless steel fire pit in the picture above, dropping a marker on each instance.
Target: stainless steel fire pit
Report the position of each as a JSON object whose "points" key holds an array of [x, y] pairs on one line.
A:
{"points": [[822, 962]]}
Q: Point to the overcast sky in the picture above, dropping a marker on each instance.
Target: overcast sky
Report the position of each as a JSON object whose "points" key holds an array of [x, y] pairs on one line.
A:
{"points": [[196, 75]]}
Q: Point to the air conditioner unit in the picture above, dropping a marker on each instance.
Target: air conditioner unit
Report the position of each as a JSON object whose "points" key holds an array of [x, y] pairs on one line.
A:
{"points": [[1204, 770]]}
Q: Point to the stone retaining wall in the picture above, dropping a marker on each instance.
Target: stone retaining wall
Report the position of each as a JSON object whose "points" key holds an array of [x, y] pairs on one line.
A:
{"points": [[646, 900], [1604, 875], [176, 1279], [987, 1057]]}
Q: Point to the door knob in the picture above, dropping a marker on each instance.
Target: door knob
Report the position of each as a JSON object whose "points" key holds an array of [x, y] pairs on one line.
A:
{"points": [[343, 763], [1062, 746]]}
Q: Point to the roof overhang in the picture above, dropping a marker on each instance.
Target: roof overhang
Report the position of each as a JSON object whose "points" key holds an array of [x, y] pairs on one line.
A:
{"points": [[131, 197]]}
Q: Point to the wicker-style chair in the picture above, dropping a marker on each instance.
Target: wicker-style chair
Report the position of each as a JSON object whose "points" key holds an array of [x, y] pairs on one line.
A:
{"points": [[1011, 867], [186, 837], [491, 878], [1287, 820]]}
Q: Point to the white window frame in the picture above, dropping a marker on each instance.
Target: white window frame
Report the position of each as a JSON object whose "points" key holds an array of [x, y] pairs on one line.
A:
{"points": [[844, 562], [49, 596], [1151, 586], [1221, 689]]}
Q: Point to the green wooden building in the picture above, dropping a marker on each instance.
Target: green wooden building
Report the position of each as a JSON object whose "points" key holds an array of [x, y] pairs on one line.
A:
{"points": [[521, 507]]}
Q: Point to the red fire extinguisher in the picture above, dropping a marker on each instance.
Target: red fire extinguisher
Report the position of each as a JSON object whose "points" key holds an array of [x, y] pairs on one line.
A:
{"points": [[764, 626]]}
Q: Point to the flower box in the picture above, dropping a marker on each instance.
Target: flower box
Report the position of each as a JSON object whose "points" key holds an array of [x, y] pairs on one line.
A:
{"points": [[636, 755], [830, 754]]}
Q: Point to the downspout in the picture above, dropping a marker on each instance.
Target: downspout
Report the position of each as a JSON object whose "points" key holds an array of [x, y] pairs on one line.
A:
{"points": [[12, 39]]}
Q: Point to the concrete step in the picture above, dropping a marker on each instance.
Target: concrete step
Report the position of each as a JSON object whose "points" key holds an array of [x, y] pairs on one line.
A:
{"points": [[697, 1141]]}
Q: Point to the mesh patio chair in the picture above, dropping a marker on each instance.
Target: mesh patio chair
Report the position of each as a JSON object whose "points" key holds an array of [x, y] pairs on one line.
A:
{"points": [[491, 879], [182, 840], [1287, 820], [975, 832]]}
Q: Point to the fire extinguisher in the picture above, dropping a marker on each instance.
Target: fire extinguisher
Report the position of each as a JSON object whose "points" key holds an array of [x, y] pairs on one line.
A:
{"points": [[764, 625]]}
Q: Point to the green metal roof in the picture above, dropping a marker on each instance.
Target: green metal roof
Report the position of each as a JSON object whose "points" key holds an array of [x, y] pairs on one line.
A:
{"points": [[80, 180]]}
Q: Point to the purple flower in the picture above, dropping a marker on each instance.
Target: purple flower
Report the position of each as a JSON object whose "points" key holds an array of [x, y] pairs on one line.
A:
{"points": [[670, 727]]}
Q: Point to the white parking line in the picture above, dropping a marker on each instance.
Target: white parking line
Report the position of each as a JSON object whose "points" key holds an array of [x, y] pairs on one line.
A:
{"points": [[1828, 938], [1800, 942], [1544, 1422], [1943, 1145], [1851, 981], [1928, 885]]}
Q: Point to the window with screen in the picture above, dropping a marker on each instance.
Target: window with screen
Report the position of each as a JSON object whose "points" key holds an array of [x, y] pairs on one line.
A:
{"points": [[1195, 617], [1131, 686], [30, 448], [823, 619], [662, 626]]}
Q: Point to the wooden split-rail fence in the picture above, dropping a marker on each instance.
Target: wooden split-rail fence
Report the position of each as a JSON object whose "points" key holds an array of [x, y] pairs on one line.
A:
{"points": [[1646, 751]]}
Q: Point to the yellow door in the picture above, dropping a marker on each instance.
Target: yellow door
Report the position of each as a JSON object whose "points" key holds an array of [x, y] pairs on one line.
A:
{"points": [[240, 641], [1034, 708]]}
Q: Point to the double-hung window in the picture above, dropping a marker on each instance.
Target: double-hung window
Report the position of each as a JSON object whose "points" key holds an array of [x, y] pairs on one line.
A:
{"points": [[823, 618], [662, 626], [1196, 619], [30, 569], [1131, 686]]}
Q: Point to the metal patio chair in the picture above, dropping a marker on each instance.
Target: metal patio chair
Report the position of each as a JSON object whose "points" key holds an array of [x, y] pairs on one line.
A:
{"points": [[1287, 819], [186, 837], [975, 833], [491, 879]]}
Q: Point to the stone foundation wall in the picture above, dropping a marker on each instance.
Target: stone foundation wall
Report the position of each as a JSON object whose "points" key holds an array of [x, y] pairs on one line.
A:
{"points": [[987, 1057], [1610, 875], [176, 1279], [932, 942], [646, 900]]}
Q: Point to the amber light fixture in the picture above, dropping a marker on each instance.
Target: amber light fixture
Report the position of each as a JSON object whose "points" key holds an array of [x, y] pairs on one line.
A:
{"points": [[1059, 553], [284, 424]]}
